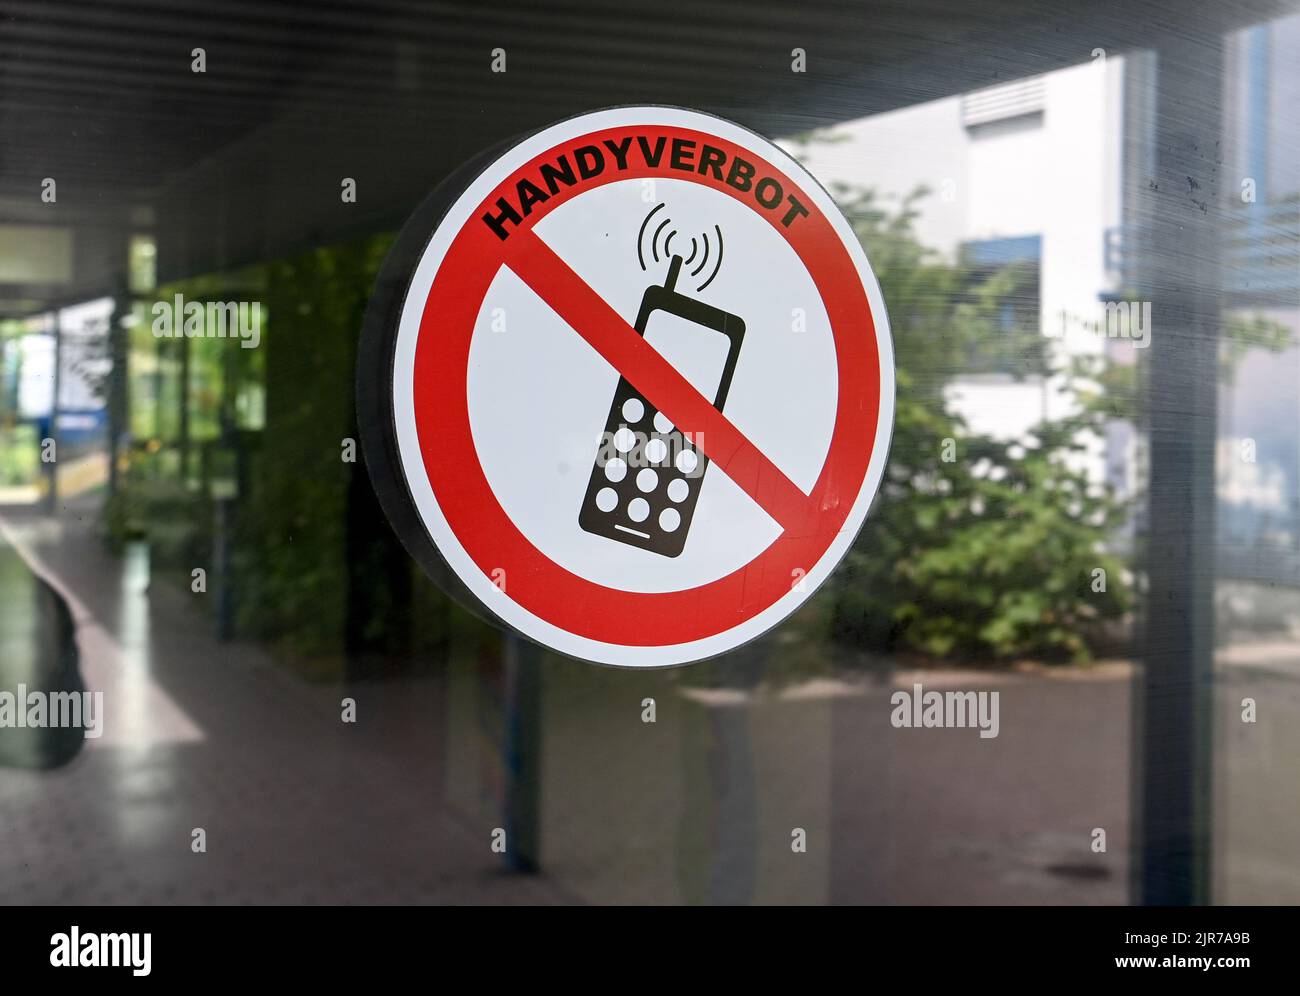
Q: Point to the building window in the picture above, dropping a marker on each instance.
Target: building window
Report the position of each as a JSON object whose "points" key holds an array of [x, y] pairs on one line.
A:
{"points": [[1003, 293]]}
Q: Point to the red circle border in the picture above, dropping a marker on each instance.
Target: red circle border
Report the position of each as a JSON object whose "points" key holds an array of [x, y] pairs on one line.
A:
{"points": [[534, 581]]}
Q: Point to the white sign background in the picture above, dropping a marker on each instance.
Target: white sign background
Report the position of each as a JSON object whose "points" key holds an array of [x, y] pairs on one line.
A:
{"points": [[539, 394]]}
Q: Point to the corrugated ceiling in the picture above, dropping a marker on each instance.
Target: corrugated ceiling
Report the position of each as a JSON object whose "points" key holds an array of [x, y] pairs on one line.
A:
{"points": [[244, 160]]}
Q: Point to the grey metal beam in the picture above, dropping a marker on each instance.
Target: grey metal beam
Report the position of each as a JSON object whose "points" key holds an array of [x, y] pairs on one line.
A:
{"points": [[1180, 208]]}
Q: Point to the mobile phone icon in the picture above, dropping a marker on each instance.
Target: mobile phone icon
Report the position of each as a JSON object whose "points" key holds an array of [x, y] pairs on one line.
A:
{"points": [[647, 475]]}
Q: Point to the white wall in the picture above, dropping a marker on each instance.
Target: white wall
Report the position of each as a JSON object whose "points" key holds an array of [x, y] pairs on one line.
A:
{"points": [[1055, 175], [894, 153], [1081, 139], [1010, 188]]}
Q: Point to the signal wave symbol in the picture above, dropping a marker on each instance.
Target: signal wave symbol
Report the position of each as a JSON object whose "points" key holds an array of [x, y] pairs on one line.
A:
{"points": [[705, 246]]}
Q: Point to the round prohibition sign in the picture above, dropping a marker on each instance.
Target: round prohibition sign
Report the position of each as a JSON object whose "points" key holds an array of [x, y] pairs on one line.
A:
{"points": [[512, 220]]}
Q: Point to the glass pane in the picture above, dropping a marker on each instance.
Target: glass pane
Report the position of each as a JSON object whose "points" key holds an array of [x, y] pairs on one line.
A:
{"points": [[1258, 474], [1054, 667]]}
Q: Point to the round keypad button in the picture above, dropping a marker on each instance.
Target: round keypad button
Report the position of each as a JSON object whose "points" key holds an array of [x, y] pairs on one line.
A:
{"points": [[638, 509], [647, 480], [669, 520], [678, 490], [687, 461], [632, 411], [656, 450], [615, 470], [607, 499]]}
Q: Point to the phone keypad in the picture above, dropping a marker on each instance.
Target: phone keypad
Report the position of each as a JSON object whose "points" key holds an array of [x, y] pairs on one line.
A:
{"points": [[646, 479]]}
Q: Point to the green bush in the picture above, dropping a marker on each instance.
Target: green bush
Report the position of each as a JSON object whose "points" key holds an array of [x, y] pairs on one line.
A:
{"points": [[20, 447], [974, 548]]}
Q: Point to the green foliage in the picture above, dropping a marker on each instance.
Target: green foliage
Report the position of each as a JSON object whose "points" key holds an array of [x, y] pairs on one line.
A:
{"points": [[1245, 332], [273, 420], [975, 547], [20, 447], [291, 534]]}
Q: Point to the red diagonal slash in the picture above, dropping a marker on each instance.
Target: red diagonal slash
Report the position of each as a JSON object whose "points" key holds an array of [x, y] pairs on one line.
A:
{"points": [[658, 380]]}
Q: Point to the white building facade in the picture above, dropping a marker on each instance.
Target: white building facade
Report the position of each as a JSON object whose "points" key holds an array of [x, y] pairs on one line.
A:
{"points": [[1025, 172]]}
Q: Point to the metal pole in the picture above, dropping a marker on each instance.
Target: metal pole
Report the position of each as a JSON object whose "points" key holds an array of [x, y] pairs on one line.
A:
{"points": [[523, 706], [118, 384], [183, 345], [51, 466], [1180, 271]]}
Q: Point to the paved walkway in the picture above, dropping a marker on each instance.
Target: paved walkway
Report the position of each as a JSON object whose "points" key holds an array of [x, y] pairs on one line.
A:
{"points": [[697, 807], [297, 806]]}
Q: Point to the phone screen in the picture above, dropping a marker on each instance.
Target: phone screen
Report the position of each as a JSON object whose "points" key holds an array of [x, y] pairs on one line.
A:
{"points": [[698, 352]]}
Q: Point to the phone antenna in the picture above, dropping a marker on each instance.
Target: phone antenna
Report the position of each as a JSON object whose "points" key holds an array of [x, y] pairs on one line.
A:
{"points": [[674, 267]]}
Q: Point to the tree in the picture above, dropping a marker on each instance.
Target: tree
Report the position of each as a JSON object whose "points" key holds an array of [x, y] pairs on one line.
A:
{"points": [[975, 547]]}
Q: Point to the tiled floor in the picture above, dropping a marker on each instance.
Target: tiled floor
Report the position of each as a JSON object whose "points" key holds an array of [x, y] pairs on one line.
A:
{"points": [[297, 806]]}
